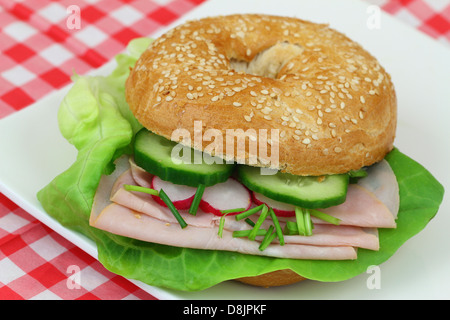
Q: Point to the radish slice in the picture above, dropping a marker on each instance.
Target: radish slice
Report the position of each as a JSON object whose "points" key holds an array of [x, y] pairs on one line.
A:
{"points": [[280, 209], [227, 195], [180, 195]]}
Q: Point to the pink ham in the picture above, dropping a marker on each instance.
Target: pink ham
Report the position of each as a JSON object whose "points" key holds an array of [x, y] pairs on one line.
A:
{"points": [[362, 209], [142, 177], [324, 235], [145, 204], [137, 215], [126, 222], [382, 182]]}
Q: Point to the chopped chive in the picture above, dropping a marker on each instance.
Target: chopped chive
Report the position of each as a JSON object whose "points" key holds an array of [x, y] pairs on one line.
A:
{"points": [[172, 208], [221, 225], [291, 228], [300, 221], [249, 212], [304, 223], [130, 187], [249, 222], [232, 210], [325, 217], [277, 226], [245, 233], [308, 222], [197, 198], [268, 238], [258, 223]]}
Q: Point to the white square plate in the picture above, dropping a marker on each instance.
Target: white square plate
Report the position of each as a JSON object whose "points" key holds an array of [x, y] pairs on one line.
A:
{"points": [[33, 151]]}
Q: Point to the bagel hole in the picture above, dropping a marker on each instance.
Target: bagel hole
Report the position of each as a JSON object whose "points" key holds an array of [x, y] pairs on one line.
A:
{"points": [[269, 62]]}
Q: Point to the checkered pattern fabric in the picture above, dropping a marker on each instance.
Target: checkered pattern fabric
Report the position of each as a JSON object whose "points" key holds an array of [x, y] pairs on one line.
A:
{"points": [[432, 16], [40, 48]]}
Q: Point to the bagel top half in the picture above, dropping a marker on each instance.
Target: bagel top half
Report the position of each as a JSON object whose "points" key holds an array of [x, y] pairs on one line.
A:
{"points": [[334, 105]]}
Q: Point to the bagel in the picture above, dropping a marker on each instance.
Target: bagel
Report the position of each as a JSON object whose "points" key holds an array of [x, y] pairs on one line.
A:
{"points": [[273, 279], [333, 103]]}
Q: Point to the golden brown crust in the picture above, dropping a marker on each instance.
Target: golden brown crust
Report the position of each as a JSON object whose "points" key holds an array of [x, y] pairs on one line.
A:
{"points": [[273, 279], [334, 105]]}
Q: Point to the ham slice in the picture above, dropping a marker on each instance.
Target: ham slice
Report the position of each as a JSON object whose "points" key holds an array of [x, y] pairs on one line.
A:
{"points": [[382, 183], [145, 204], [323, 234], [328, 235], [362, 209], [369, 204], [124, 221], [137, 215]]}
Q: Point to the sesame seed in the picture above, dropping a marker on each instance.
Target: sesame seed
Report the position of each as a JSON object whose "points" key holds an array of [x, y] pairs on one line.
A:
{"points": [[306, 141], [264, 91], [361, 115], [361, 98], [337, 149], [266, 110], [237, 104], [253, 93]]}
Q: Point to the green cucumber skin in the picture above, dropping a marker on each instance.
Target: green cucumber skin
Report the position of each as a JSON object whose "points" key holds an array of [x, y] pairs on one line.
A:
{"points": [[162, 166], [245, 177]]}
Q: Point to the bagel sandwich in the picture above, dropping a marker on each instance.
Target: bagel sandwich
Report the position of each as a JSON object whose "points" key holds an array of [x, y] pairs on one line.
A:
{"points": [[335, 197]]}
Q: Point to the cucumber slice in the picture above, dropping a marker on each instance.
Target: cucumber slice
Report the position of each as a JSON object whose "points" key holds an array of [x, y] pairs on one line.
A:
{"points": [[153, 153], [305, 192]]}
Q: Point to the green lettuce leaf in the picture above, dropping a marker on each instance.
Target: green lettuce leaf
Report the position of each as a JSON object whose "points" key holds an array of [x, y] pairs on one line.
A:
{"points": [[94, 117], [191, 269]]}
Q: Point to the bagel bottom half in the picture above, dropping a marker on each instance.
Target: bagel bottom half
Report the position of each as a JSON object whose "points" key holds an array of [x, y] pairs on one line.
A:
{"points": [[273, 279]]}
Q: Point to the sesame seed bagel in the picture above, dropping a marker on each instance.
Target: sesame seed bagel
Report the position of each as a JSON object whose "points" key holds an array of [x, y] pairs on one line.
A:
{"points": [[334, 105]]}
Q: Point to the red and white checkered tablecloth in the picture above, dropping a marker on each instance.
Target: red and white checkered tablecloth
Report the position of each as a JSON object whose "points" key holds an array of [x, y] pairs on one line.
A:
{"points": [[38, 55]]}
